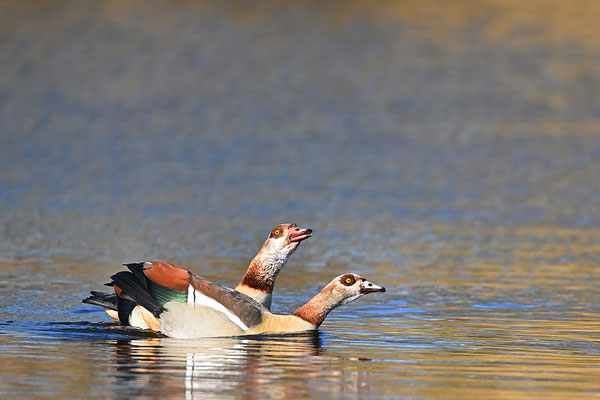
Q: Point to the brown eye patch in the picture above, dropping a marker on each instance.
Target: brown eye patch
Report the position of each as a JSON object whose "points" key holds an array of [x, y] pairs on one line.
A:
{"points": [[348, 280], [276, 232]]}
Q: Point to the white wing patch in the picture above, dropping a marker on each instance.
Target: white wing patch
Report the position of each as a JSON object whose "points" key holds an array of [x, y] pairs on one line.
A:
{"points": [[195, 297]]}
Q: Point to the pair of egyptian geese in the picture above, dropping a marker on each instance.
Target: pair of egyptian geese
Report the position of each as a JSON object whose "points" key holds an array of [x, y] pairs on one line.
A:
{"points": [[160, 296]]}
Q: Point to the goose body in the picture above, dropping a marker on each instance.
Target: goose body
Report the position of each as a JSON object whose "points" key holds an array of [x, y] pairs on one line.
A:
{"points": [[169, 283], [188, 322], [215, 310]]}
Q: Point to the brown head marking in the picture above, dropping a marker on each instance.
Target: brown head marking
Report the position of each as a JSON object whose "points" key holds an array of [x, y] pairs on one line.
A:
{"points": [[347, 280], [276, 232]]}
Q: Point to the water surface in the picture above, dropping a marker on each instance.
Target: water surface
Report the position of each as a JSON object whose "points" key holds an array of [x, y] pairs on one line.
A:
{"points": [[450, 152]]}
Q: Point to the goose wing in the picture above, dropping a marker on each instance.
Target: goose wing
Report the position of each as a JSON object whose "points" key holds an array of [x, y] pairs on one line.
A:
{"points": [[239, 308]]}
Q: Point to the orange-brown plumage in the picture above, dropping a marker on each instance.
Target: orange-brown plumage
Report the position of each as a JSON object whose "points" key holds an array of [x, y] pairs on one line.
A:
{"points": [[167, 275]]}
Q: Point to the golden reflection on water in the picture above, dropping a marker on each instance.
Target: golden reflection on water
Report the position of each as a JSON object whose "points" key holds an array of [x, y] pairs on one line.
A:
{"points": [[443, 357], [280, 367], [564, 21], [488, 357]]}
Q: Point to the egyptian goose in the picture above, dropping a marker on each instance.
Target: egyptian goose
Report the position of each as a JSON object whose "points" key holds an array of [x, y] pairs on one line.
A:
{"points": [[258, 282], [263, 270], [215, 310]]}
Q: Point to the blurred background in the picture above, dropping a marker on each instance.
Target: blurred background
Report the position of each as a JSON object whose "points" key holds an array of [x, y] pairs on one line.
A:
{"points": [[189, 129], [450, 150]]}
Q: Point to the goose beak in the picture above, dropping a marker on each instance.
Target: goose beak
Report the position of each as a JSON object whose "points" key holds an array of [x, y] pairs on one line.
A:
{"points": [[299, 234], [370, 287]]}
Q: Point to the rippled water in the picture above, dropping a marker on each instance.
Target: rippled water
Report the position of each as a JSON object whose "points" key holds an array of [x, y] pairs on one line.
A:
{"points": [[450, 152]]}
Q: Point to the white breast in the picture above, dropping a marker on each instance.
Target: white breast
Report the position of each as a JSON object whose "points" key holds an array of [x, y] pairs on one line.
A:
{"points": [[197, 298], [191, 321]]}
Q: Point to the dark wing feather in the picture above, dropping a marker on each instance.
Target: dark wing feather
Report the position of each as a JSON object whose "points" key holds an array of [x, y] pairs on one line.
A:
{"points": [[138, 270], [136, 291], [248, 310]]}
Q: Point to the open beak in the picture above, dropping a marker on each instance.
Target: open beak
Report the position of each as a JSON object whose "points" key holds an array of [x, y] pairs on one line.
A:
{"points": [[370, 287], [300, 234]]}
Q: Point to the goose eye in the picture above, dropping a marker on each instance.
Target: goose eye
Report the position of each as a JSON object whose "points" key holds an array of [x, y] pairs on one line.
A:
{"points": [[276, 232], [348, 280]]}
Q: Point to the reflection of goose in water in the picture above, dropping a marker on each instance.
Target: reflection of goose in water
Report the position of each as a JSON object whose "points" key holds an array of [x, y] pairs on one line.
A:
{"points": [[213, 310], [165, 366], [255, 367]]}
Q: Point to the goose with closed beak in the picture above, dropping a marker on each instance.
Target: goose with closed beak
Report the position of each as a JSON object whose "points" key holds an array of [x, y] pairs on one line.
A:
{"points": [[169, 283], [213, 310]]}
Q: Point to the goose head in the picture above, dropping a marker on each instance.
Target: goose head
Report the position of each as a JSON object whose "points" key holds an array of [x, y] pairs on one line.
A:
{"points": [[284, 239], [341, 290], [260, 278], [349, 287]]}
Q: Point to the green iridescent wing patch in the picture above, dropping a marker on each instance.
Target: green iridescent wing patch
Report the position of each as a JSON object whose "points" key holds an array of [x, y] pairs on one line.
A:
{"points": [[165, 295]]}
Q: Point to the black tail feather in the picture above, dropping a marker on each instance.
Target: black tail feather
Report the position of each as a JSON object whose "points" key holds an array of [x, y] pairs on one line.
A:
{"points": [[102, 299], [137, 291]]}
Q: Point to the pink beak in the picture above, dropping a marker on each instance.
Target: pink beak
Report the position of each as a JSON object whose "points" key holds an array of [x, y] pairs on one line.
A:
{"points": [[299, 234], [370, 287]]}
